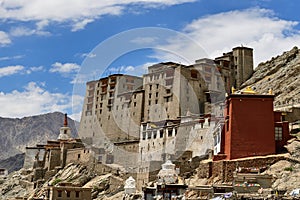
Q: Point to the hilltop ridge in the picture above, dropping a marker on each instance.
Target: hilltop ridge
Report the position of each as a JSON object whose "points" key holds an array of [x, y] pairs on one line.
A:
{"points": [[281, 74], [17, 133]]}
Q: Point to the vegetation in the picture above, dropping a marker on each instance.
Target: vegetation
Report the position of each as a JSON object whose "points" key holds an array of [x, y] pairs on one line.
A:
{"points": [[290, 169], [56, 181]]}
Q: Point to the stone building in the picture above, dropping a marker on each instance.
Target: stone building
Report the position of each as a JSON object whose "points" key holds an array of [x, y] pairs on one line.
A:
{"points": [[3, 172], [67, 191], [171, 90], [167, 113], [235, 66], [46, 159], [112, 105], [250, 127]]}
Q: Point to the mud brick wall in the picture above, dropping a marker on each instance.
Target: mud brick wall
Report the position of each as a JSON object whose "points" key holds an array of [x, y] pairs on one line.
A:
{"points": [[224, 169]]}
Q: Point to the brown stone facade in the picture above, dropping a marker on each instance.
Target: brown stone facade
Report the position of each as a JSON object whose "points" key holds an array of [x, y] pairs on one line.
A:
{"points": [[222, 171]]}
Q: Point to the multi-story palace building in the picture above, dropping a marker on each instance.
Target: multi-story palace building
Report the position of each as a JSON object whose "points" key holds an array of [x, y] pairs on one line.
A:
{"points": [[162, 114]]}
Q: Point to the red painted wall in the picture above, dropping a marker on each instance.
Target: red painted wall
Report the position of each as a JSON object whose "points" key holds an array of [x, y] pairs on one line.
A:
{"points": [[251, 126]]}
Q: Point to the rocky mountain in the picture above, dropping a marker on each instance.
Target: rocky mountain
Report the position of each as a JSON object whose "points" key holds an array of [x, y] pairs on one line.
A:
{"points": [[13, 163], [16, 134], [281, 74]]}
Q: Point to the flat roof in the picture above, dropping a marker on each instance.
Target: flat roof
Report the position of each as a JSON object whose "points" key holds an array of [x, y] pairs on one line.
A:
{"points": [[250, 96]]}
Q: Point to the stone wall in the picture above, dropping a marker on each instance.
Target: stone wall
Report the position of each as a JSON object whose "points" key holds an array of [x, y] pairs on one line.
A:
{"points": [[80, 155], [224, 169]]}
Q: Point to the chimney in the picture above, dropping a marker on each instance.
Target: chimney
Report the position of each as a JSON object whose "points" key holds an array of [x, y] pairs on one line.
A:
{"points": [[66, 120]]}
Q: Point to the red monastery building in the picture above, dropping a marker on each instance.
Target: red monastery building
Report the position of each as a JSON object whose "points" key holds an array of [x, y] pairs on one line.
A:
{"points": [[250, 127]]}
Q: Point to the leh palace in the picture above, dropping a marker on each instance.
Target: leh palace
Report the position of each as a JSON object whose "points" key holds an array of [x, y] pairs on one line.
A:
{"points": [[181, 113], [174, 117]]}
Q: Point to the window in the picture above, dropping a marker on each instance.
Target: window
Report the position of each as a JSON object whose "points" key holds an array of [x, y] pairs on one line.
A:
{"points": [[154, 134], [278, 133], [150, 87], [156, 94], [170, 132], [59, 193], [149, 135], [169, 81], [157, 85], [134, 104], [77, 194], [149, 103], [161, 133], [78, 156], [150, 96], [68, 194], [156, 101], [194, 74]]}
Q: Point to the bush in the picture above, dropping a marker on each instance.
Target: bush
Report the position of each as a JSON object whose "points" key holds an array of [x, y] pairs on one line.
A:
{"points": [[56, 181], [290, 169]]}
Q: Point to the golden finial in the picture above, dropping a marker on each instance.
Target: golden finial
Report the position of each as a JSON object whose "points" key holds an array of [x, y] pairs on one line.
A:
{"points": [[271, 91], [233, 90], [248, 90]]}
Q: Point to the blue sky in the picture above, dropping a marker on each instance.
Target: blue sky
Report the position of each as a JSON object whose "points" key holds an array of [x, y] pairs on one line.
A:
{"points": [[50, 48]]}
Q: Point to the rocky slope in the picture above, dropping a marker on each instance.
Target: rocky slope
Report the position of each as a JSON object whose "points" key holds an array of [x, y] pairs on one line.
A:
{"points": [[13, 163], [16, 134], [281, 74], [107, 186]]}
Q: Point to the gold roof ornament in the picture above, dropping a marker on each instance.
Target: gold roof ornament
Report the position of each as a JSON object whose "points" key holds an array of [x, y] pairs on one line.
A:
{"points": [[248, 90], [271, 91], [233, 90]]}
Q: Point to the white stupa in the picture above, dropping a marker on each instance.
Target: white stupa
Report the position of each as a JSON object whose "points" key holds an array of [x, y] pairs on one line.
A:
{"points": [[130, 187], [65, 131], [167, 174]]}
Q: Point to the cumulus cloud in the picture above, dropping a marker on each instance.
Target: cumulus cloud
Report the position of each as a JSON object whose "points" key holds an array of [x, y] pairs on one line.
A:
{"points": [[10, 70], [18, 69], [79, 12], [81, 24], [4, 39], [64, 68], [33, 100], [258, 28]]}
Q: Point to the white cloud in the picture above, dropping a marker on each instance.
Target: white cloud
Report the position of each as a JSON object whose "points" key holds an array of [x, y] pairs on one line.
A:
{"points": [[4, 39], [33, 100], [24, 31], [64, 68], [88, 55], [257, 28], [36, 69], [11, 57], [18, 69], [78, 12], [81, 24], [10, 70]]}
